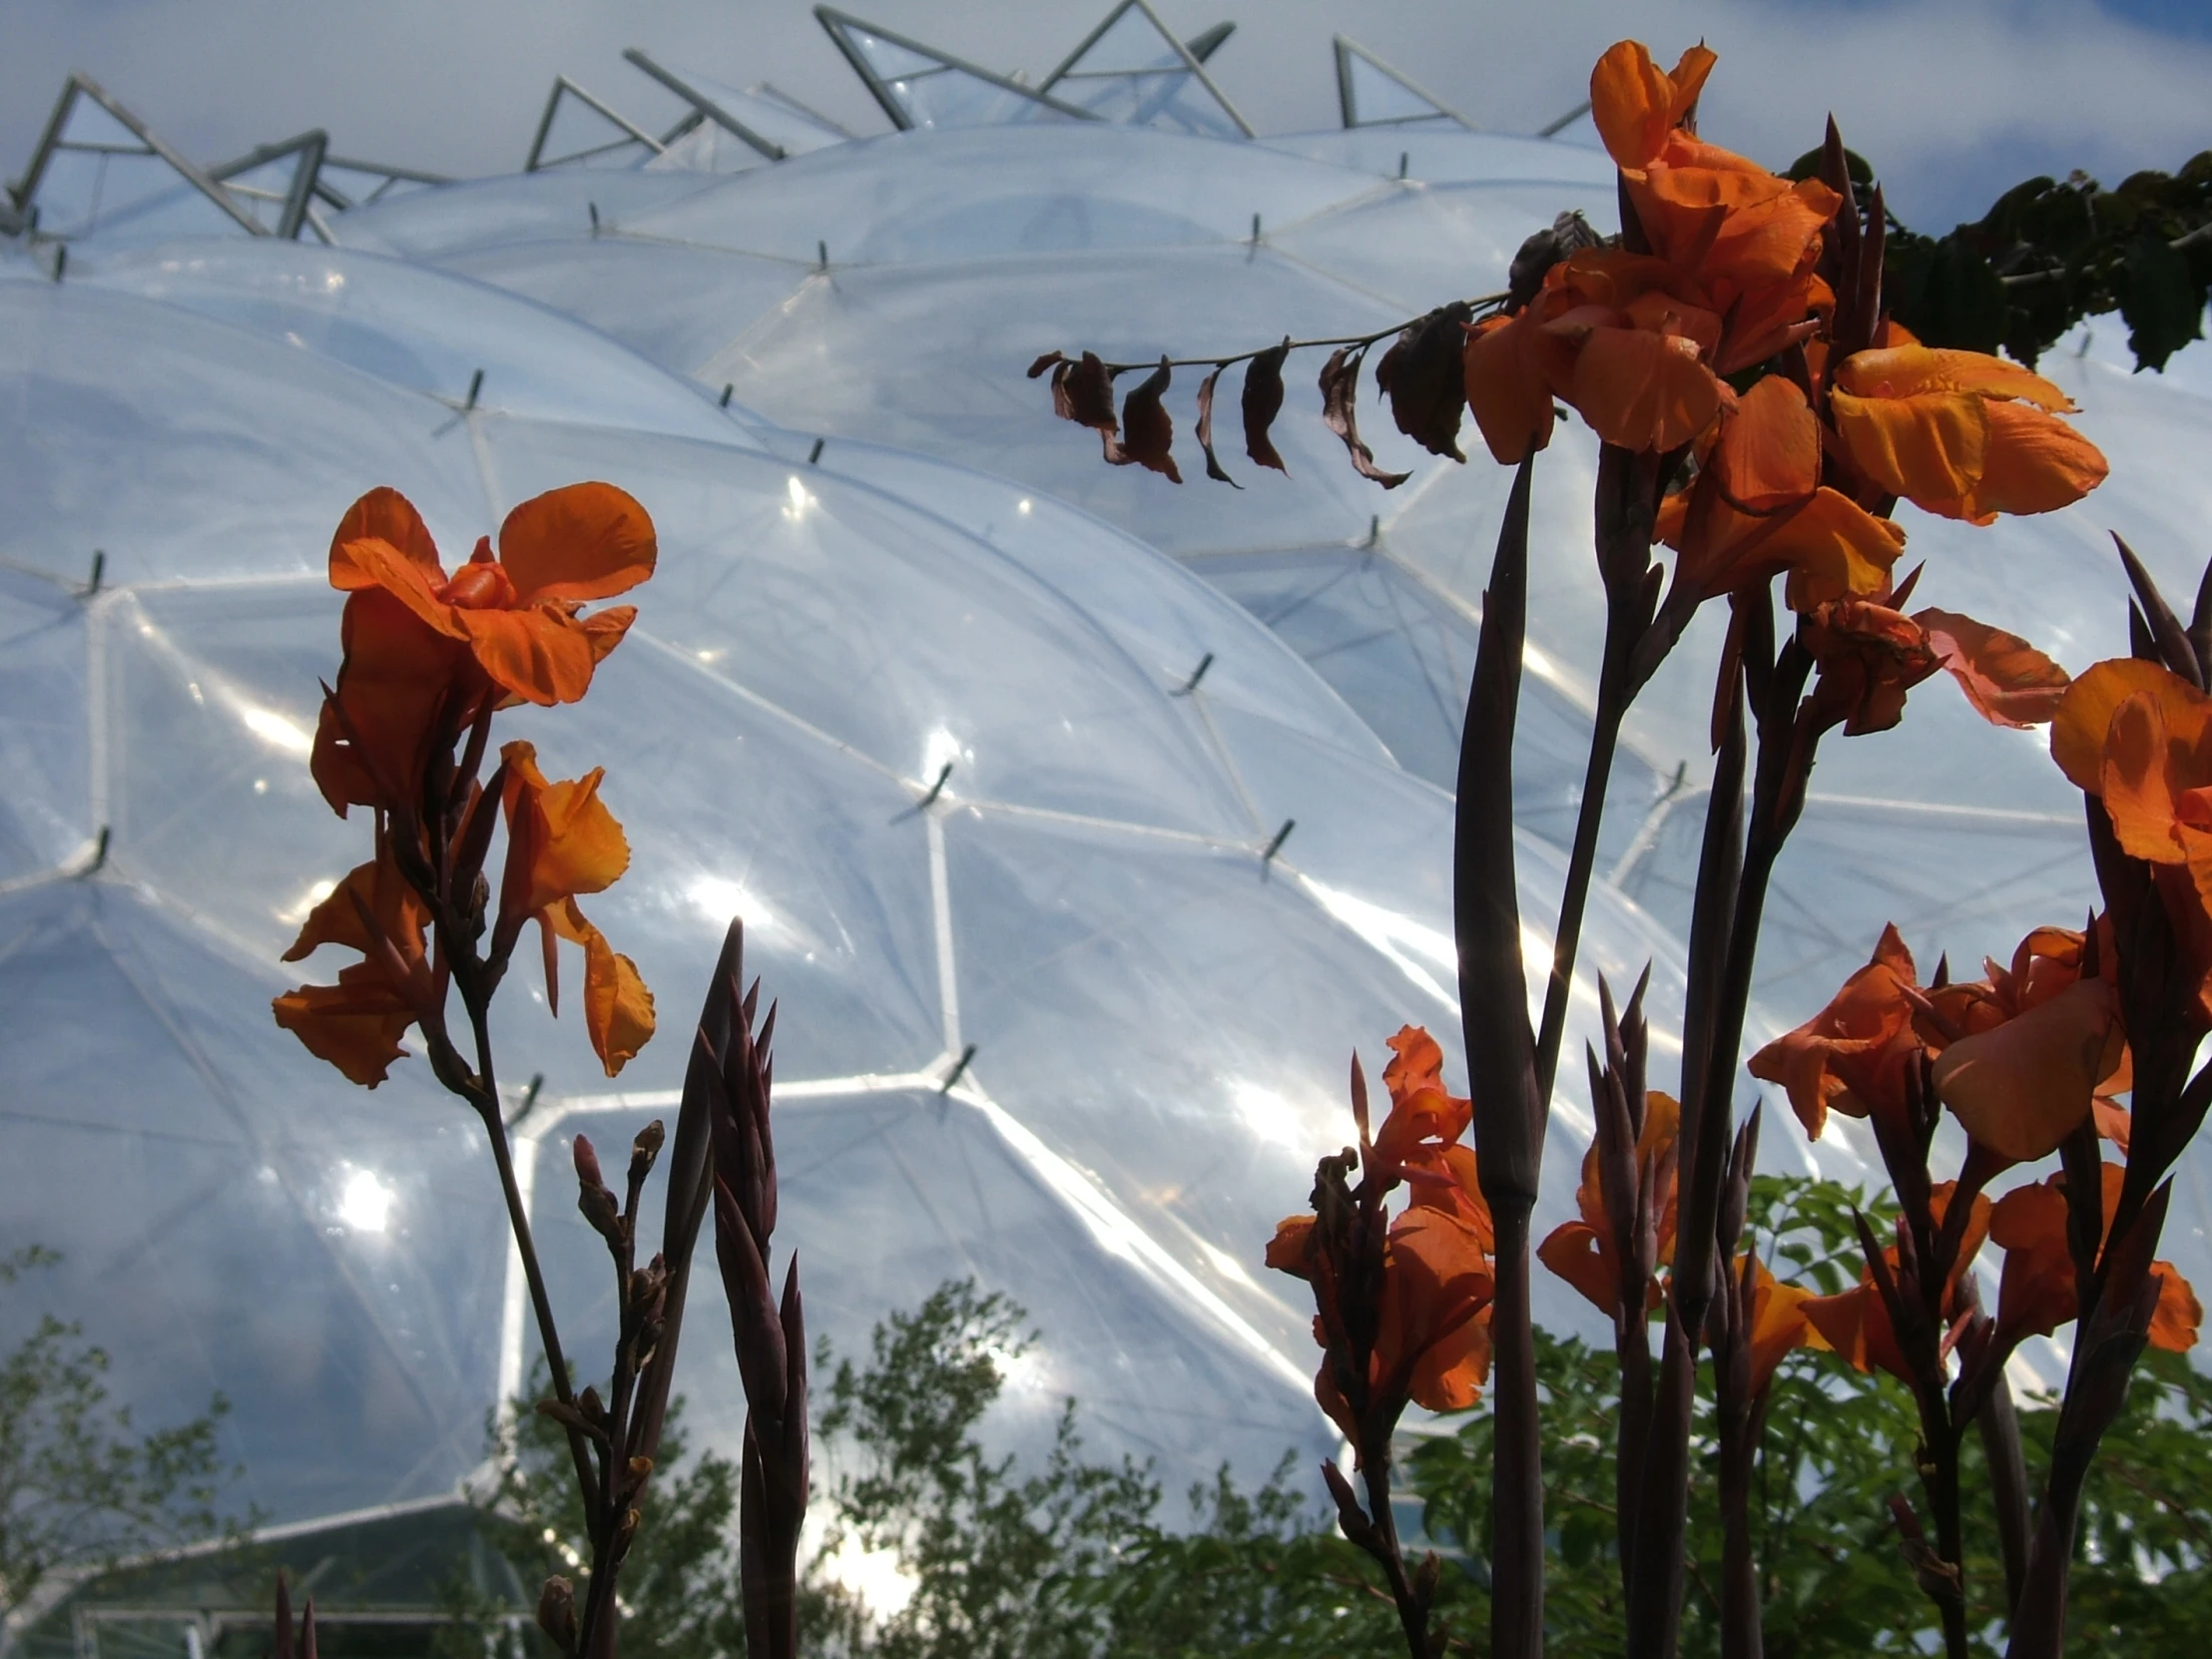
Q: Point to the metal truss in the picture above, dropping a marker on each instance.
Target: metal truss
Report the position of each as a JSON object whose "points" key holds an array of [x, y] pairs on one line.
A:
{"points": [[839, 25], [1348, 99], [22, 195], [1194, 54]]}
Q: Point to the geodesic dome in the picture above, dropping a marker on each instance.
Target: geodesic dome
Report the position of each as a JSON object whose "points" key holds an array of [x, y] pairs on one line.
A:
{"points": [[879, 556]]}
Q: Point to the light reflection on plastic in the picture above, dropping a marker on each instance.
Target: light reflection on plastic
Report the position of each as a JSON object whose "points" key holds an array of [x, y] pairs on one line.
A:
{"points": [[365, 1203], [275, 730], [719, 898], [800, 499], [296, 912], [1414, 948], [1266, 1114], [938, 749]]}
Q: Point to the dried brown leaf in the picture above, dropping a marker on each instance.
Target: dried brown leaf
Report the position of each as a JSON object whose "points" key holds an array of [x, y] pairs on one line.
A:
{"points": [[1424, 375], [1206, 428], [1340, 395], [1082, 392], [1147, 431], [1263, 401]]}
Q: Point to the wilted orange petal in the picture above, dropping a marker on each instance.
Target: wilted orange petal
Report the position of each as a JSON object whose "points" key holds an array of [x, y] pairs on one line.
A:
{"points": [[618, 1009], [2084, 716], [1506, 388], [356, 1024], [385, 515], [2008, 680], [603, 629], [1765, 242], [1769, 453], [1912, 370], [2173, 1324], [1929, 449], [2036, 463], [586, 541], [1642, 390], [2021, 1087], [541, 656]]}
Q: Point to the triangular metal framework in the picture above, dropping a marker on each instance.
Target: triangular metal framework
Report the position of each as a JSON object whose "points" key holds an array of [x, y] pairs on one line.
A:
{"points": [[839, 26], [291, 203], [385, 179], [23, 194], [1351, 51], [1193, 54], [563, 87], [704, 108]]}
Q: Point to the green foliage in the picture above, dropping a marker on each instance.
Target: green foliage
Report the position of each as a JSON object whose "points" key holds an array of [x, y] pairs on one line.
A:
{"points": [[1070, 1559], [80, 1487], [2051, 253]]}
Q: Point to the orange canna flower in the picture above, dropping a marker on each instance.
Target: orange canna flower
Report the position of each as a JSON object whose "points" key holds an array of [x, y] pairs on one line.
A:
{"points": [[517, 614], [2008, 680], [356, 1024], [2021, 1087], [1779, 1324], [1582, 1252], [1758, 507], [1856, 1323], [1436, 1291], [1424, 1117], [1851, 1056], [2140, 737], [1960, 433], [2037, 1291], [561, 841], [1868, 656]]}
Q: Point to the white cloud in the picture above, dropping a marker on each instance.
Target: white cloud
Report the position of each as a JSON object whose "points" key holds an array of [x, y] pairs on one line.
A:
{"points": [[1953, 99]]}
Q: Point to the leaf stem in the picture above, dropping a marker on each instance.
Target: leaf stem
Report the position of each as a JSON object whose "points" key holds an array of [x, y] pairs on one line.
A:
{"points": [[1485, 301]]}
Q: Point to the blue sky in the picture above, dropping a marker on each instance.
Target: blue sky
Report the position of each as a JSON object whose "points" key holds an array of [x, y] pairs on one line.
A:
{"points": [[1953, 99]]}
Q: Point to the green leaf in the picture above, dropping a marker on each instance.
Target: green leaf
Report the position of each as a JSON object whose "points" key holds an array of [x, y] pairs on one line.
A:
{"points": [[2161, 300], [1944, 291]]}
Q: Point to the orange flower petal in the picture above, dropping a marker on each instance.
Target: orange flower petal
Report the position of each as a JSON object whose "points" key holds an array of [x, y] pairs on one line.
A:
{"points": [[1833, 549], [393, 684], [356, 1024], [1286, 1252], [2008, 680], [1929, 449], [379, 887], [571, 841], [385, 515], [2174, 1322], [2139, 782], [618, 1009], [540, 655], [2021, 1087], [1506, 388], [2084, 717], [1768, 454], [2036, 463], [1636, 104], [1642, 390], [371, 561], [586, 541], [1576, 1253], [1778, 1324], [1912, 370]]}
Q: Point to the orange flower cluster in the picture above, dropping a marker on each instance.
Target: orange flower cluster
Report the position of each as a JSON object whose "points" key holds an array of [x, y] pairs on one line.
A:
{"points": [[1856, 1323], [2037, 1295], [2020, 1057], [1430, 1320], [1798, 472], [1583, 1252], [2140, 737], [427, 660]]}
